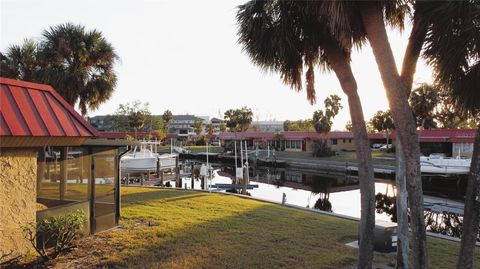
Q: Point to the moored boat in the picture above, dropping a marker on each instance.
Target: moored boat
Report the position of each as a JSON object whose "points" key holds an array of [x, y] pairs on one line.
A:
{"points": [[436, 164]]}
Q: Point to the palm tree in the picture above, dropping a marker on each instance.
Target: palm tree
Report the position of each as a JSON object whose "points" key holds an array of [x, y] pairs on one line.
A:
{"points": [[382, 122], [423, 100], [211, 129], [288, 36], [231, 120], [370, 16], [452, 48], [427, 14], [244, 118], [198, 126], [77, 63], [80, 65], [223, 127], [21, 61]]}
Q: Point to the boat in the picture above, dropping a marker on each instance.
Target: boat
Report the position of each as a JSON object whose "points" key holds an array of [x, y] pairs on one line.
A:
{"points": [[438, 164], [142, 159]]}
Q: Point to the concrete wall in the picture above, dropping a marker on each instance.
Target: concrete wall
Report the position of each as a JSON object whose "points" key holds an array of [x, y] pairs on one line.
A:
{"points": [[347, 144], [18, 176]]}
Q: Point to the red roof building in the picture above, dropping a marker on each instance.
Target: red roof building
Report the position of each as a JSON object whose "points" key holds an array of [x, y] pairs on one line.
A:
{"points": [[38, 112], [47, 160]]}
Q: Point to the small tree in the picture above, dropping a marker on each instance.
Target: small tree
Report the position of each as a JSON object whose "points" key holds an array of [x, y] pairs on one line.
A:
{"points": [[223, 127], [131, 116], [382, 121], [198, 126], [167, 118], [322, 121], [211, 129], [348, 126]]}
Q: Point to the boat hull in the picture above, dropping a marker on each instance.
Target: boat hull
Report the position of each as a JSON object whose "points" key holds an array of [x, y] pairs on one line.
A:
{"points": [[138, 164], [444, 165]]}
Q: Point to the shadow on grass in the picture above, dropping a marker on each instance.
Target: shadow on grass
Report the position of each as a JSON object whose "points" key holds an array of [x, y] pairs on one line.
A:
{"points": [[133, 198], [243, 234]]}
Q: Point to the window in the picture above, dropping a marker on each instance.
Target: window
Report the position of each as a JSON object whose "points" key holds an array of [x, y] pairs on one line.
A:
{"points": [[349, 140], [344, 141], [334, 141], [467, 147], [298, 144]]}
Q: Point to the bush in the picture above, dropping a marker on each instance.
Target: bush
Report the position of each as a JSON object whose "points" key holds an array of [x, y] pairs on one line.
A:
{"points": [[321, 149], [55, 234]]}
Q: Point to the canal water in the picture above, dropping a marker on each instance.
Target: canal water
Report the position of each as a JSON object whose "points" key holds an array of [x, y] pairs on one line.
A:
{"points": [[340, 193]]}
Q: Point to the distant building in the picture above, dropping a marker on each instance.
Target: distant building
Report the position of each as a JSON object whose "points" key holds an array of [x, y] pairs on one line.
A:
{"points": [[451, 142], [102, 123], [267, 126], [184, 125]]}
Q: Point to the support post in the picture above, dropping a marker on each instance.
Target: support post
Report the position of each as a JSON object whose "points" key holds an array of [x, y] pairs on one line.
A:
{"points": [[91, 186], [161, 178], [192, 180], [245, 181], [63, 172], [177, 174], [55, 168]]}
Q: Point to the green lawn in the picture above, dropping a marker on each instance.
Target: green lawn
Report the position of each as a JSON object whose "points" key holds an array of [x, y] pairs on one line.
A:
{"points": [[185, 229]]}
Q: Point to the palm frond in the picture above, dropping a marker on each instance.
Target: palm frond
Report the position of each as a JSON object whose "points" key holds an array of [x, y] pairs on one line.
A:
{"points": [[452, 47]]}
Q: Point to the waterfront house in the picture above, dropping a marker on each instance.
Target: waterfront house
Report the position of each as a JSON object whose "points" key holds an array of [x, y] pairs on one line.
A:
{"points": [[451, 142], [52, 161]]}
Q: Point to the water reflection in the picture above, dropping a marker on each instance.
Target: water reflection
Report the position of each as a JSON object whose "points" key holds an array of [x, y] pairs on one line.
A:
{"points": [[339, 193], [321, 187]]}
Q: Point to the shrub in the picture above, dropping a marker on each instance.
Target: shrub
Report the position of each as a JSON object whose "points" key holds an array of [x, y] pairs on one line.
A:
{"points": [[55, 234], [321, 149]]}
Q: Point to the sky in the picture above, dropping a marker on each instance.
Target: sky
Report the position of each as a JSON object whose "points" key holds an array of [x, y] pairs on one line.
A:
{"points": [[184, 56]]}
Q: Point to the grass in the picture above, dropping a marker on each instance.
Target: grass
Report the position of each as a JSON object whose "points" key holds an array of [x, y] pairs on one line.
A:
{"points": [[211, 149], [185, 229]]}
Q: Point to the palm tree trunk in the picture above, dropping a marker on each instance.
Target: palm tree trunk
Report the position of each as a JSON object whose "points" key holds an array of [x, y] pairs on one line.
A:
{"points": [[402, 216], [412, 53], [405, 125], [471, 219], [414, 46], [345, 76]]}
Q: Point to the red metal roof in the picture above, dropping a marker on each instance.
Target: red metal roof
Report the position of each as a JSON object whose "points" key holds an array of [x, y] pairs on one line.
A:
{"points": [[31, 109], [448, 135]]}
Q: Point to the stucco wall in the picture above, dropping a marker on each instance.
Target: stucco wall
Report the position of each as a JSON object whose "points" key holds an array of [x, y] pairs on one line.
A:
{"points": [[342, 144], [17, 198]]}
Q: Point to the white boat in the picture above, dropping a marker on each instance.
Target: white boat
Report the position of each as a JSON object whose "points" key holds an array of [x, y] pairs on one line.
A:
{"points": [[142, 159], [437, 164]]}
